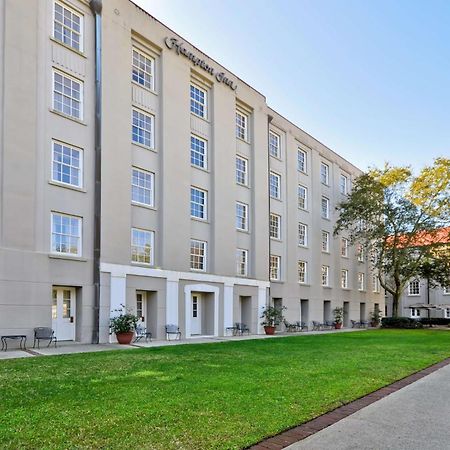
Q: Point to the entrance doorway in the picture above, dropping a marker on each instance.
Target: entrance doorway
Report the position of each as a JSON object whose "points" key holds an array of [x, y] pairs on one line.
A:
{"points": [[346, 314], [196, 314], [141, 308], [246, 311], [63, 312], [304, 311], [362, 312]]}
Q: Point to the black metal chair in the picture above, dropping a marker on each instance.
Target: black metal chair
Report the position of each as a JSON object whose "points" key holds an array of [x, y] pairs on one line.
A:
{"points": [[44, 334], [301, 326], [173, 329], [242, 328], [290, 326], [141, 332], [329, 325]]}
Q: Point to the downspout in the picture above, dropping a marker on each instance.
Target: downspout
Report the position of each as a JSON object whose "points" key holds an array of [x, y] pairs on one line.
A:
{"points": [[269, 120], [96, 7]]}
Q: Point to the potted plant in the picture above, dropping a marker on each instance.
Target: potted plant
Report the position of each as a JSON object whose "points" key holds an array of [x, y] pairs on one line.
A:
{"points": [[375, 318], [272, 317], [123, 325], [338, 314]]}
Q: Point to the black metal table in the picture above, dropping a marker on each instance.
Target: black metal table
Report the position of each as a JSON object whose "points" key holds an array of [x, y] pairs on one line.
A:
{"points": [[22, 343]]}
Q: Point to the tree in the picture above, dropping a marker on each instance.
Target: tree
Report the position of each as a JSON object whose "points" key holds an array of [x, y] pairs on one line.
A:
{"points": [[403, 221]]}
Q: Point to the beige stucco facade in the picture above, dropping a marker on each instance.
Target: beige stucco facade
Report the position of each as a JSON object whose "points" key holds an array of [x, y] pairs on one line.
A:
{"points": [[35, 277]]}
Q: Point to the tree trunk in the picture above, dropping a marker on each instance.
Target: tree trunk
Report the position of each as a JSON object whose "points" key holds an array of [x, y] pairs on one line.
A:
{"points": [[395, 302]]}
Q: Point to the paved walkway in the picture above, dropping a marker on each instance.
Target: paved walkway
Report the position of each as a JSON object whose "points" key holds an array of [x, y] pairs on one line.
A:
{"points": [[415, 418]]}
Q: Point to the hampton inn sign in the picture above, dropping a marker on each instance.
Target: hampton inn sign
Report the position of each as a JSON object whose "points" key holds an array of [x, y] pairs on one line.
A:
{"points": [[173, 43]]}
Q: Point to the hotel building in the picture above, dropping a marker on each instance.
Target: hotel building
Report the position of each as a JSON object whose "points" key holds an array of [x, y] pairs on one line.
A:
{"points": [[137, 170]]}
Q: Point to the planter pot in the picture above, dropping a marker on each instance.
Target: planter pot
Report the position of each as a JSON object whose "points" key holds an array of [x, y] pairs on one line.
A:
{"points": [[269, 329], [338, 326], [125, 338]]}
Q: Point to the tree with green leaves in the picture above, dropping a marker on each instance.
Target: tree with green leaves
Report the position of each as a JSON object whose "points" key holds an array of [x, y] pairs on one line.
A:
{"points": [[403, 221]]}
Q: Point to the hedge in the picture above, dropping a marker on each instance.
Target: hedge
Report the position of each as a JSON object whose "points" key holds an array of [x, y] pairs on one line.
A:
{"points": [[400, 322]]}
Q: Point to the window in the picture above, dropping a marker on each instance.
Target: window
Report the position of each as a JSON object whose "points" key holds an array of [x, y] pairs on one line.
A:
{"points": [[275, 185], [66, 234], [324, 174], [446, 290], [68, 27], [241, 126], [275, 267], [142, 246], [274, 144], [241, 216], [302, 192], [344, 247], [241, 262], [325, 241], [414, 287], [302, 271], [274, 226], [375, 284], [67, 164], [325, 275], [360, 253], [67, 95], [241, 170], [143, 69], [198, 101], [199, 200], [415, 313], [344, 279], [142, 128], [302, 160], [142, 187], [343, 184], [198, 152], [325, 208], [302, 234], [447, 313], [198, 255], [360, 281]]}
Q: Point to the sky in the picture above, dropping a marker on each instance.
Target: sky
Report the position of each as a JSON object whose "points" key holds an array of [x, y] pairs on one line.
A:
{"points": [[368, 78]]}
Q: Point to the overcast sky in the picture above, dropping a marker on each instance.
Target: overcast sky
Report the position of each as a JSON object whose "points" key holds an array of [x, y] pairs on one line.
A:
{"points": [[368, 78]]}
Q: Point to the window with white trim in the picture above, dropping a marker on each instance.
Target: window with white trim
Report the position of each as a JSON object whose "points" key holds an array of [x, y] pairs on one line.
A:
{"points": [[241, 170], [415, 313], [325, 275], [199, 202], [302, 234], [142, 130], [143, 69], [325, 241], [275, 185], [198, 255], [68, 26], [344, 279], [199, 101], [324, 173], [344, 247], [142, 246], [274, 226], [361, 286], [325, 207], [199, 152], [241, 262], [414, 288], [302, 267], [375, 284], [302, 193], [302, 161], [66, 234], [447, 313], [275, 262], [241, 126], [67, 95], [274, 144], [360, 252], [343, 184], [241, 216], [67, 164], [142, 187]]}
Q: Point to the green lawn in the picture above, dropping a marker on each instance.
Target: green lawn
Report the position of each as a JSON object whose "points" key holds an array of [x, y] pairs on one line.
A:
{"points": [[203, 396]]}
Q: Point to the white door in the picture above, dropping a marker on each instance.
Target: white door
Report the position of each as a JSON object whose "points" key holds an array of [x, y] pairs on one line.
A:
{"points": [[196, 314], [141, 308], [63, 313]]}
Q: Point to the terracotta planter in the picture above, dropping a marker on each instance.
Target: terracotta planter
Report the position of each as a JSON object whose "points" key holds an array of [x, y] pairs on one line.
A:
{"points": [[125, 338], [269, 330], [338, 326]]}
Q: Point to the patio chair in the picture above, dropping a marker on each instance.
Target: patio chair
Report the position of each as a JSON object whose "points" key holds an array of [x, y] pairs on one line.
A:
{"points": [[363, 324], [317, 326], [301, 326], [290, 326], [173, 329], [329, 325], [242, 328], [141, 332], [44, 334], [355, 324]]}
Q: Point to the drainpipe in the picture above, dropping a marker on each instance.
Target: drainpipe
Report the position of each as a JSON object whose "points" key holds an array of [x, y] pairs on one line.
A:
{"points": [[96, 7], [269, 120]]}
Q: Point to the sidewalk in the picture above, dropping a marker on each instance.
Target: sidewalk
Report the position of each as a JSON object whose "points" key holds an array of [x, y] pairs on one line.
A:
{"points": [[415, 418]]}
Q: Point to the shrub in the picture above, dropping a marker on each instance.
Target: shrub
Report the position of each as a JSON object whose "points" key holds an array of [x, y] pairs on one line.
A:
{"points": [[400, 322], [434, 321]]}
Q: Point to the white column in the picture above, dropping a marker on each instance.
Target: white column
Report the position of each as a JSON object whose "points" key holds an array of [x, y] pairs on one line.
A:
{"points": [[227, 307], [118, 291], [172, 302], [262, 301]]}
